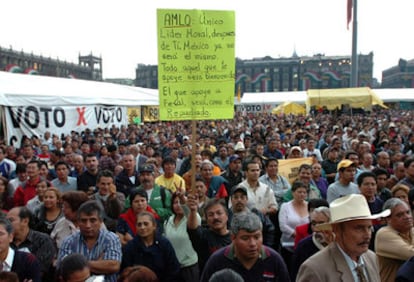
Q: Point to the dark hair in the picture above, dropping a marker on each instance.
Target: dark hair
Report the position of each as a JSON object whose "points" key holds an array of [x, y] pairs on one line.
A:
{"points": [[111, 148], [72, 263], [138, 192], [316, 203], [247, 162], [348, 153], [104, 173], [8, 276], [380, 171], [150, 215], [173, 197], [90, 155], [304, 166], [75, 199], [4, 203], [62, 163], [207, 152], [299, 184], [24, 212], [35, 162], [20, 168], [168, 160], [89, 208], [408, 162], [267, 162], [364, 175], [43, 163], [215, 201]]}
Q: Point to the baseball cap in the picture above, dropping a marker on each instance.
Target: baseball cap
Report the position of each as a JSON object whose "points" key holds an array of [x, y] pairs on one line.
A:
{"points": [[146, 168], [345, 164], [186, 138], [234, 157], [239, 188]]}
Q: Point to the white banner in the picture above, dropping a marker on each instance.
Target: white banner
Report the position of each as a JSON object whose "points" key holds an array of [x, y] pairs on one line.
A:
{"points": [[255, 108], [32, 120]]}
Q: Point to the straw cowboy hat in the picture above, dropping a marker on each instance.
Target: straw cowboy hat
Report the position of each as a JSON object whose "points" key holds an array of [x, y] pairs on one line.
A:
{"points": [[350, 207]]}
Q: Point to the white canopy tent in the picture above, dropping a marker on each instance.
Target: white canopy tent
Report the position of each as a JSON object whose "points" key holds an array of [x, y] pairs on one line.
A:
{"points": [[389, 95], [298, 97], [33, 104], [35, 90]]}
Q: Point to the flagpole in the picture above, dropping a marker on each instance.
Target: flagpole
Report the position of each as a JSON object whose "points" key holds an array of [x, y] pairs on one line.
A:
{"points": [[354, 59]]}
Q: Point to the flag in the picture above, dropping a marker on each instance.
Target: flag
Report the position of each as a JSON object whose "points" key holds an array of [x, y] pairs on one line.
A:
{"points": [[238, 93], [348, 13]]}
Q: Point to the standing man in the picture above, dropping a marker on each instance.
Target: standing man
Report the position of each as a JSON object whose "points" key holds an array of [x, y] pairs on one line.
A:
{"points": [[409, 173], [102, 248], [169, 179], [27, 191], [87, 180], [64, 182], [128, 178], [348, 257], [259, 195], [330, 164], [278, 183], [246, 254], [233, 174], [394, 243], [206, 240], [239, 205], [78, 166], [344, 185], [159, 198]]}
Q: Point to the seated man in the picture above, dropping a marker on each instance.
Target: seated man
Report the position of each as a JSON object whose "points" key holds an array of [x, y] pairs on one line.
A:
{"points": [[394, 243], [28, 240], [74, 267], [25, 265], [102, 248], [112, 201]]}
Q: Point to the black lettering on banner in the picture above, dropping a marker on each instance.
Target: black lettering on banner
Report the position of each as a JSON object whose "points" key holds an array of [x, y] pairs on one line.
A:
{"points": [[59, 117], [118, 114], [34, 123], [13, 139], [16, 117], [108, 114], [46, 111]]}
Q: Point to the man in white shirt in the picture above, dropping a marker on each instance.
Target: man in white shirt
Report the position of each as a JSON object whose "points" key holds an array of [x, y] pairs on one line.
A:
{"points": [[260, 196]]}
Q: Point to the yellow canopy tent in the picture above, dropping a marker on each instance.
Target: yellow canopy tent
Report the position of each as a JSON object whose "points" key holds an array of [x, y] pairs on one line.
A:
{"points": [[288, 108], [362, 97]]}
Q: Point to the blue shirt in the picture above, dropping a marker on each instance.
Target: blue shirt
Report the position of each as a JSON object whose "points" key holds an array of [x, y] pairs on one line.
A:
{"points": [[107, 244]]}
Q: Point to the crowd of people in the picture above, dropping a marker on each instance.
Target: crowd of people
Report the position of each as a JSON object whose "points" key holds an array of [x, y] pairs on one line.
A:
{"points": [[120, 202]]}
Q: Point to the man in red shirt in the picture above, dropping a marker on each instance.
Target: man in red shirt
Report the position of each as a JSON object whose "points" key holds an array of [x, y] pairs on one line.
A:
{"points": [[27, 191]]}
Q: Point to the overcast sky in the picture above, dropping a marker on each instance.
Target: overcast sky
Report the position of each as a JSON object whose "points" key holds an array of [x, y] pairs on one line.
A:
{"points": [[124, 32]]}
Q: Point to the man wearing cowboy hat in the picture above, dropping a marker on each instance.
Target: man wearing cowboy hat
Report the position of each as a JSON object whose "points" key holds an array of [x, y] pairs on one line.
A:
{"points": [[348, 257]]}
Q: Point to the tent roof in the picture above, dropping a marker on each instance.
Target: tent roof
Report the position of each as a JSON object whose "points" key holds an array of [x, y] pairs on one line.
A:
{"points": [[24, 89], [384, 94], [273, 97], [289, 108], [361, 97]]}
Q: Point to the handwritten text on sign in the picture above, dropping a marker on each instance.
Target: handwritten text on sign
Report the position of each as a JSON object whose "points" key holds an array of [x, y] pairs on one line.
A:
{"points": [[196, 64]]}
